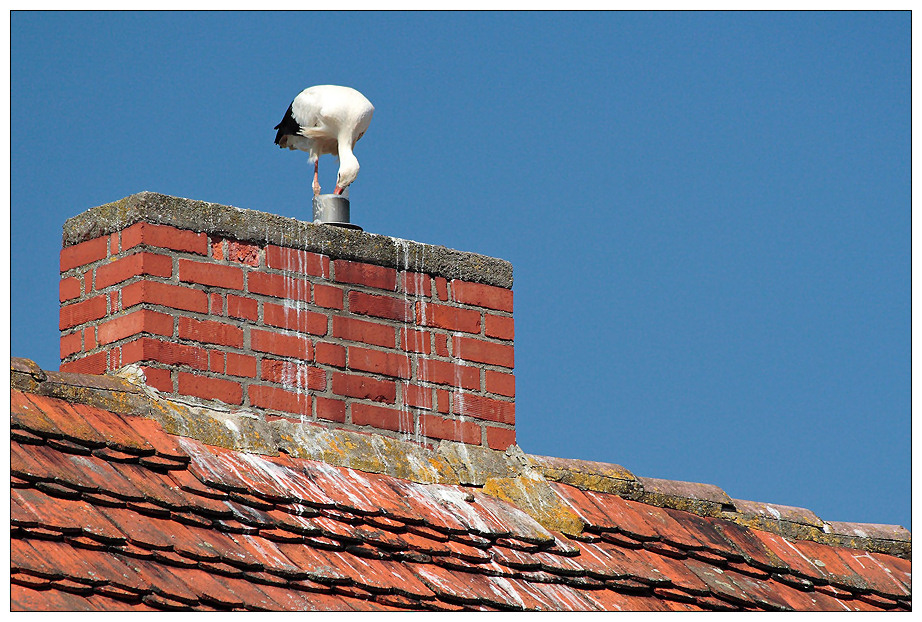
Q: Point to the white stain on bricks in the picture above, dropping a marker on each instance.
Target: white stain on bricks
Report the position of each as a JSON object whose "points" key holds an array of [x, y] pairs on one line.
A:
{"points": [[406, 420], [410, 336], [297, 289]]}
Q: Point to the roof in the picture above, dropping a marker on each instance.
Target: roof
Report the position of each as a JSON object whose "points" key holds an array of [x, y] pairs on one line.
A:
{"points": [[124, 500]]}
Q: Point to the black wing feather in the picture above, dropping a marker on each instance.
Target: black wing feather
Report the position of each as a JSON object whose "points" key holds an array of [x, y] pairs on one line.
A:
{"points": [[288, 126]]}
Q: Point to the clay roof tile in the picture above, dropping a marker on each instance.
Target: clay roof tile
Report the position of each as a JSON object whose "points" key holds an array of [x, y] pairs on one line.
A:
{"points": [[110, 512]]}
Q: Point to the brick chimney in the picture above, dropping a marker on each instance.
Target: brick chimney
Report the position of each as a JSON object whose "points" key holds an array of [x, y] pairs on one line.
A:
{"points": [[287, 319]]}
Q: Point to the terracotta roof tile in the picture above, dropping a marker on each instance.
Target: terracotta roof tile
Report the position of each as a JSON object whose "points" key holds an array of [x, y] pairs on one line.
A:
{"points": [[69, 423], [152, 521], [580, 502], [125, 435], [791, 556], [881, 572], [26, 414], [709, 537]]}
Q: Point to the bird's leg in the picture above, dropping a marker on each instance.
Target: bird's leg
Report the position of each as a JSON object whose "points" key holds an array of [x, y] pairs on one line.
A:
{"points": [[316, 184]]}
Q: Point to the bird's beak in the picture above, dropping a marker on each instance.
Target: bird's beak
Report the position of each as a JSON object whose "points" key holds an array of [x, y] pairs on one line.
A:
{"points": [[338, 190]]}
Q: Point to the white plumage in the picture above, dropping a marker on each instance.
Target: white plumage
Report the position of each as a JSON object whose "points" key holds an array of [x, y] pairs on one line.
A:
{"points": [[327, 119]]}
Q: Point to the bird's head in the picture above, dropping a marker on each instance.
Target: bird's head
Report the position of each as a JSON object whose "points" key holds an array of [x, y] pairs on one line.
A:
{"points": [[348, 171]]}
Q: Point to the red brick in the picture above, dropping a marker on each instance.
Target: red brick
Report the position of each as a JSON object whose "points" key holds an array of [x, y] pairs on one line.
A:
{"points": [[386, 307], [69, 289], [484, 408], [330, 354], [292, 260], [499, 327], [71, 343], [433, 426], [87, 282], [481, 295], [84, 253], [452, 374], [381, 418], [164, 352], [500, 438], [441, 288], [500, 383], [215, 304], [295, 346], [299, 320], [329, 296], [364, 274], [416, 283], [331, 410], [240, 365], [82, 312], [215, 275], [216, 361], [95, 364], [164, 236], [243, 308], [441, 344], [471, 349], [363, 387], [417, 396], [242, 252], [164, 294], [227, 391], [278, 286], [442, 398], [217, 248], [89, 338], [207, 331], [158, 378], [135, 323], [137, 264], [367, 332], [115, 357], [293, 375], [449, 318], [274, 398], [113, 243], [414, 340], [378, 362]]}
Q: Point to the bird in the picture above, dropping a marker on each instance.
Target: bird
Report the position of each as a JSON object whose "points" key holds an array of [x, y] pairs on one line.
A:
{"points": [[327, 119]]}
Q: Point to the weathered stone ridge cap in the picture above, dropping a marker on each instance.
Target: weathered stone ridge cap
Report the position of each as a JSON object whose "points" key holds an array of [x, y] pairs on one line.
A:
{"points": [[709, 500], [512, 476], [264, 228]]}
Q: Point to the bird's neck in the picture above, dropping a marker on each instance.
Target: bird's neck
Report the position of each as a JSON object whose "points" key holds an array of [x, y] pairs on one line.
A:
{"points": [[345, 151], [348, 164]]}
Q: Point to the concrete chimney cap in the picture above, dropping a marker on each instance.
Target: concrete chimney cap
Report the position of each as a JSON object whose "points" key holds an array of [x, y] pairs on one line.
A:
{"points": [[258, 227]]}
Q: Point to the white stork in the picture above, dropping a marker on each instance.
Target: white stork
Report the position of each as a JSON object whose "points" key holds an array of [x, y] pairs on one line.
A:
{"points": [[327, 119]]}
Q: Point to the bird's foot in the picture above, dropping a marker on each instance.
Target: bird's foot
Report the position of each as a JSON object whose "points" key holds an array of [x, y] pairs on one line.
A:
{"points": [[316, 188]]}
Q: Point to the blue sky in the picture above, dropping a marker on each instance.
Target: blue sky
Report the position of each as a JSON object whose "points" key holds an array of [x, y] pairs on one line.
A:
{"points": [[708, 213]]}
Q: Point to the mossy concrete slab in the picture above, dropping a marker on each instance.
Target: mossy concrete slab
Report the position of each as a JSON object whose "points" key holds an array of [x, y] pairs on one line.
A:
{"points": [[263, 228]]}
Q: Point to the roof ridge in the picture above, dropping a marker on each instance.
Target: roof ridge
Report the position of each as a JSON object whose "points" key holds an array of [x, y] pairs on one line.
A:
{"points": [[512, 476], [711, 501]]}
